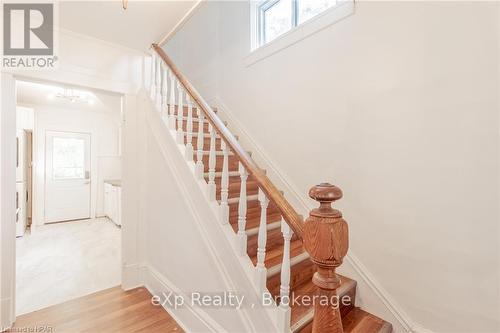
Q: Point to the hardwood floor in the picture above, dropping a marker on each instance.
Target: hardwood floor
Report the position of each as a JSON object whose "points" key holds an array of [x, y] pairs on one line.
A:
{"points": [[110, 310]]}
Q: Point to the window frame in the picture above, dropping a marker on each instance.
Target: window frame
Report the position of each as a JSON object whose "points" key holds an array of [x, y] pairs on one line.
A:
{"points": [[262, 8], [260, 50]]}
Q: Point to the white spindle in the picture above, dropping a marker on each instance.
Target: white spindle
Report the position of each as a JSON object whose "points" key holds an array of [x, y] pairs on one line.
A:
{"points": [[242, 212], [224, 192], [153, 76], [180, 113], [284, 307], [158, 82], [171, 111], [261, 270], [189, 130], [164, 92], [199, 153], [211, 163]]}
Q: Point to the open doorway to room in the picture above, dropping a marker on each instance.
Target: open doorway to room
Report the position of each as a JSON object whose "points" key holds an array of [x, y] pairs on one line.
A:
{"points": [[68, 193]]}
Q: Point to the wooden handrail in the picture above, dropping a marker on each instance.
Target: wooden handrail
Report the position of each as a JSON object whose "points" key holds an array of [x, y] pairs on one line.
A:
{"points": [[293, 219]]}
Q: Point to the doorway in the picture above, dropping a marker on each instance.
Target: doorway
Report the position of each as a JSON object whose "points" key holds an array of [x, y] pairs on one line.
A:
{"points": [[71, 246], [67, 176]]}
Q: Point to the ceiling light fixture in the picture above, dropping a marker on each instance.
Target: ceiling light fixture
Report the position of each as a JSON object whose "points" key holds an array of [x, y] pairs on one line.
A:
{"points": [[72, 96], [124, 4]]}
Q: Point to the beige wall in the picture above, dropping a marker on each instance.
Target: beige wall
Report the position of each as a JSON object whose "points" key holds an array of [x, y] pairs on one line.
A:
{"points": [[396, 104]]}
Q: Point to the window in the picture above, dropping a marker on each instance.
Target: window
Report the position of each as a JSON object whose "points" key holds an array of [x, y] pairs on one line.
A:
{"points": [[307, 9], [279, 16], [68, 158]]}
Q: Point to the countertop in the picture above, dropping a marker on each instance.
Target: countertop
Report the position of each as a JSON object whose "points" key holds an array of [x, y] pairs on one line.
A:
{"points": [[114, 182]]}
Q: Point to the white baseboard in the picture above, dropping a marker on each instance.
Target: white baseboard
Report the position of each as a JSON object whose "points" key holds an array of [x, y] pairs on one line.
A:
{"points": [[6, 315], [190, 318], [131, 276], [381, 303]]}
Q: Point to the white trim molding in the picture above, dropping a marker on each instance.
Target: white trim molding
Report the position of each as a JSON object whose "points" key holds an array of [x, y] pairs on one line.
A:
{"points": [[188, 316], [181, 23], [296, 34], [7, 200]]}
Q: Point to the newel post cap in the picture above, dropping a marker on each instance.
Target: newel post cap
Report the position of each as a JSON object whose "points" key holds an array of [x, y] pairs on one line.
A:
{"points": [[325, 194]]}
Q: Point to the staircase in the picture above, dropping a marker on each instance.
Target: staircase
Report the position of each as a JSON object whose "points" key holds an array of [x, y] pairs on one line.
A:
{"points": [[292, 259]]}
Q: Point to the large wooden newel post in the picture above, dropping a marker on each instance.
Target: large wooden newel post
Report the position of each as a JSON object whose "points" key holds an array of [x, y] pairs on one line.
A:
{"points": [[326, 239]]}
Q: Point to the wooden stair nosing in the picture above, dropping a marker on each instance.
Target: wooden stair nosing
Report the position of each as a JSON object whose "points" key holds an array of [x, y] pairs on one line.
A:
{"points": [[219, 174], [270, 226], [254, 223], [358, 321], [343, 290], [276, 269], [205, 135], [234, 200]]}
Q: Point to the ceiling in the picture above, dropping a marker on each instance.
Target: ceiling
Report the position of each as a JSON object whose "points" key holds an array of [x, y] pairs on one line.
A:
{"points": [[37, 93], [142, 23]]}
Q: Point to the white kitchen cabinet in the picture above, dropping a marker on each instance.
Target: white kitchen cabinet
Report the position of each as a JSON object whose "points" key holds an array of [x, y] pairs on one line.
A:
{"points": [[112, 202]]}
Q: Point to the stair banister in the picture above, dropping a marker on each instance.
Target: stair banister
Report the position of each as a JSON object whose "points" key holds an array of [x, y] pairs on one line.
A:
{"points": [[262, 241], [212, 160], [324, 234], [164, 91], [199, 145], [180, 113], [224, 194], [171, 108], [273, 194], [158, 83], [189, 130]]}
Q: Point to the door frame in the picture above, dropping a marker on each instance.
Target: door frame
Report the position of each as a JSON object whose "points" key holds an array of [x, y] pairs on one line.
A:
{"points": [[133, 231], [47, 132], [7, 200]]}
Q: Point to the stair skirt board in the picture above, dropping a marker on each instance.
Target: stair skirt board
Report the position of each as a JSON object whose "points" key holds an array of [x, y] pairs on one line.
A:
{"points": [[219, 239], [188, 317]]}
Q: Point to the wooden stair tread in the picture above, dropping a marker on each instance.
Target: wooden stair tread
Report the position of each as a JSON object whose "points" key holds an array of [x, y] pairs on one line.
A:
{"points": [[253, 208], [359, 321], [274, 247], [254, 222], [346, 290], [300, 273], [233, 163], [235, 186], [185, 110]]}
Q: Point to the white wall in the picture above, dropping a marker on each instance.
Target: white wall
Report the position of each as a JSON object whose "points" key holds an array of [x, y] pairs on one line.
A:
{"points": [[102, 122], [397, 105]]}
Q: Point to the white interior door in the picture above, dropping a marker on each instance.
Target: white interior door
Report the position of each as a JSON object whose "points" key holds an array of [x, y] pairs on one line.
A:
{"points": [[67, 176]]}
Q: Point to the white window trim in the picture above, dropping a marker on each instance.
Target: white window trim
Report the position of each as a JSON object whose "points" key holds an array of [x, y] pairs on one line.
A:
{"points": [[294, 35]]}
